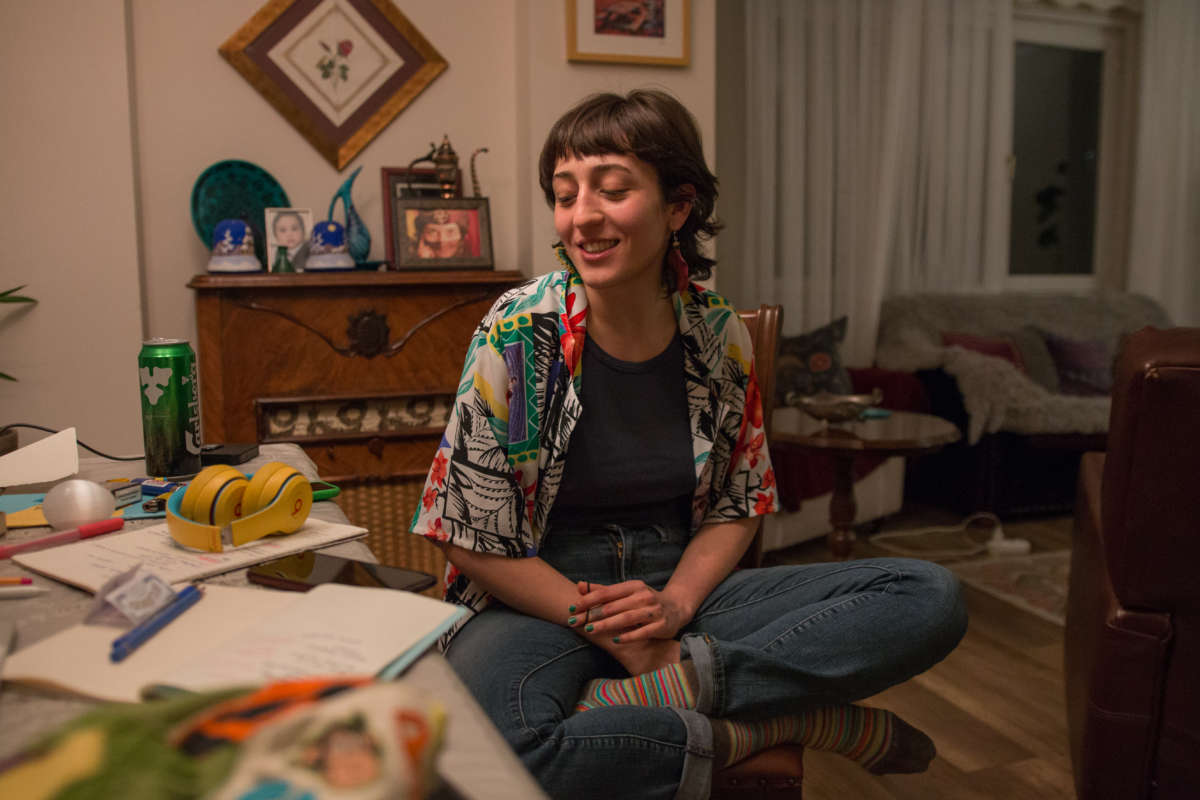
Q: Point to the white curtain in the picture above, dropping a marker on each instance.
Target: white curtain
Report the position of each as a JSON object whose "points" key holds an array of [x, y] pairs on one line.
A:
{"points": [[876, 137], [1164, 259]]}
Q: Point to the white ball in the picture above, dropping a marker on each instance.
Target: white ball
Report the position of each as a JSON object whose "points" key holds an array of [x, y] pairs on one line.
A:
{"points": [[77, 502]]}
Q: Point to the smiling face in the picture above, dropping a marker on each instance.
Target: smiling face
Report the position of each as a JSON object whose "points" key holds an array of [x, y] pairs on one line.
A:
{"points": [[610, 213], [289, 231], [440, 240]]}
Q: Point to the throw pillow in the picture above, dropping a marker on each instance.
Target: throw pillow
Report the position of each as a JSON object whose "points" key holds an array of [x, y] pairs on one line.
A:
{"points": [[995, 346], [1039, 364], [1084, 366], [810, 363]]}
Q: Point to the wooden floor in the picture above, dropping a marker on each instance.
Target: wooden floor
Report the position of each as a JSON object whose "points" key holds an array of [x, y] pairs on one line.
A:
{"points": [[994, 707]]}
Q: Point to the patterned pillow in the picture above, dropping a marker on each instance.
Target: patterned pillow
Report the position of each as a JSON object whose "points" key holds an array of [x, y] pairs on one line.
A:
{"points": [[810, 363], [1085, 367]]}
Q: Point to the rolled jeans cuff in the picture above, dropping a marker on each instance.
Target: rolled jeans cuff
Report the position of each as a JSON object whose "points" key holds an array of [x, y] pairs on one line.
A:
{"points": [[696, 647], [696, 778]]}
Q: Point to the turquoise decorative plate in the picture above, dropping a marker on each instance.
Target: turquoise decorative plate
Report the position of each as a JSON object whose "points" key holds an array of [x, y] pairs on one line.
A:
{"points": [[235, 190]]}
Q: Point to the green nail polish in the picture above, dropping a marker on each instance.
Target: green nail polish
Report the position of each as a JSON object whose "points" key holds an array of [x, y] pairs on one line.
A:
{"points": [[616, 640], [571, 609], [571, 621], [590, 628]]}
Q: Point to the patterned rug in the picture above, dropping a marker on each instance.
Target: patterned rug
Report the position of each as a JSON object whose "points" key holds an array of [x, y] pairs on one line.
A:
{"points": [[1036, 583], [385, 510]]}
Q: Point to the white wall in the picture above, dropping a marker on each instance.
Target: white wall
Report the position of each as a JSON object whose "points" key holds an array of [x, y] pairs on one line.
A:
{"points": [[508, 79], [68, 222]]}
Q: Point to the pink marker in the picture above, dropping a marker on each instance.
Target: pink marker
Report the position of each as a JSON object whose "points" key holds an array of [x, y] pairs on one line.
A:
{"points": [[63, 537]]}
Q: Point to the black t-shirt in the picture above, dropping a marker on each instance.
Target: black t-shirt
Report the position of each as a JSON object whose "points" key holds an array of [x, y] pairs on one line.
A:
{"points": [[630, 456]]}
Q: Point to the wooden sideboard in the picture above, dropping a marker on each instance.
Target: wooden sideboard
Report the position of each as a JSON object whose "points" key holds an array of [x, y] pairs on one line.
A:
{"points": [[358, 368]]}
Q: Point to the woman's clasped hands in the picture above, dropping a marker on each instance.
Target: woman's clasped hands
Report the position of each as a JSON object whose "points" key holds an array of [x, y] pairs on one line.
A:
{"points": [[626, 612]]}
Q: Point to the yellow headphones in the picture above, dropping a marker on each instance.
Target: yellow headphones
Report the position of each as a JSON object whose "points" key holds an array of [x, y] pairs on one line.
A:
{"points": [[222, 506]]}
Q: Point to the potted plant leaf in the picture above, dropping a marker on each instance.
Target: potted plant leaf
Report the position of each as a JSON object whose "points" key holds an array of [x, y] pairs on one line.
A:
{"points": [[11, 296], [8, 436]]}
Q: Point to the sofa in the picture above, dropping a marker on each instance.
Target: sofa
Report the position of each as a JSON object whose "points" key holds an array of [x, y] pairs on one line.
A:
{"points": [[1025, 376], [1132, 639]]}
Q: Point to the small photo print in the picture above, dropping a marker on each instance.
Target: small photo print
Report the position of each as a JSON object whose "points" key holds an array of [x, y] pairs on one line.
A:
{"points": [[643, 18], [288, 232]]}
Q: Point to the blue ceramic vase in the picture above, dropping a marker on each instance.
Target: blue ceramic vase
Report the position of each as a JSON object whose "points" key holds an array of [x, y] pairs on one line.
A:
{"points": [[358, 238]]}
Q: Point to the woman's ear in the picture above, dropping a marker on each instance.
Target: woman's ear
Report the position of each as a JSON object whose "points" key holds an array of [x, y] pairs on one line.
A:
{"points": [[680, 205]]}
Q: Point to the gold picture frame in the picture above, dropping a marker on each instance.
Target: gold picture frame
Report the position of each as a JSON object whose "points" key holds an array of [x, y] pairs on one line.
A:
{"points": [[338, 70], [654, 32]]}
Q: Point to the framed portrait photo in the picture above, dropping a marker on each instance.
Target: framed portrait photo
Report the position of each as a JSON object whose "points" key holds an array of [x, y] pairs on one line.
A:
{"points": [[289, 229], [630, 31], [436, 233], [401, 183], [338, 70]]}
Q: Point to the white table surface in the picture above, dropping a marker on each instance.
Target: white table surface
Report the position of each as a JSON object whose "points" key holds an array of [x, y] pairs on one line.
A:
{"points": [[475, 761]]}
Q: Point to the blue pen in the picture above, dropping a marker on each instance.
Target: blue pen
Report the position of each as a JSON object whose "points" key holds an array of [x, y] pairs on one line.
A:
{"points": [[140, 634]]}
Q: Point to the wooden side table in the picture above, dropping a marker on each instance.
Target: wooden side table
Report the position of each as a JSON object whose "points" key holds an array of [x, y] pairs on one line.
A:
{"points": [[902, 433]]}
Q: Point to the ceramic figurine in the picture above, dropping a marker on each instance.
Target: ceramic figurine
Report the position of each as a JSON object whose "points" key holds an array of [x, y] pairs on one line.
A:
{"points": [[358, 238], [327, 249]]}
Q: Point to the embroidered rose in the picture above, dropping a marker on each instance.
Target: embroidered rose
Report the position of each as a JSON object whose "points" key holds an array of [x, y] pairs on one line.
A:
{"points": [[819, 362], [332, 65]]}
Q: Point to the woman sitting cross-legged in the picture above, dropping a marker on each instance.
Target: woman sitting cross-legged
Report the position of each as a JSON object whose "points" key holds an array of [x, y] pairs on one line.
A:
{"points": [[598, 482]]}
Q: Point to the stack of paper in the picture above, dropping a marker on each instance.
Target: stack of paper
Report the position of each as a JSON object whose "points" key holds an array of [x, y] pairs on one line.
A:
{"points": [[90, 563]]}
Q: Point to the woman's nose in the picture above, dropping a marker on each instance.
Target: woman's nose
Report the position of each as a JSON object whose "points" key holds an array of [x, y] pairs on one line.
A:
{"points": [[587, 209]]}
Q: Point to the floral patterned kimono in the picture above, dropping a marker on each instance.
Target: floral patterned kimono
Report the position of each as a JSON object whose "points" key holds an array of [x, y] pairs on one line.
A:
{"points": [[500, 462]]}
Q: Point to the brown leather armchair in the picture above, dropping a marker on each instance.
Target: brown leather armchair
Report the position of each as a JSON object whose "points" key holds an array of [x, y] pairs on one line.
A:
{"points": [[1132, 649]]}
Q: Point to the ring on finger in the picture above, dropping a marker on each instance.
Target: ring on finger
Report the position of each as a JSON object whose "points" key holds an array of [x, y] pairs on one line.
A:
{"points": [[594, 614]]}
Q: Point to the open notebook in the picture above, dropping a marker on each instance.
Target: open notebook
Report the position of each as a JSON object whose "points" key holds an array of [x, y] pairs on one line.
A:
{"points": [[241, 636]]}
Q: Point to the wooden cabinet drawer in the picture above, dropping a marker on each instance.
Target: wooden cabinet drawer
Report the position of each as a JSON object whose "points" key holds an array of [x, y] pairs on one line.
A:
{"points": [[343, 364]]}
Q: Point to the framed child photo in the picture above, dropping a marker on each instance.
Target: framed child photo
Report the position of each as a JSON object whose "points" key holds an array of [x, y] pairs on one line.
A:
{"points": [[656, 32], [436, 233], [288, 231]]}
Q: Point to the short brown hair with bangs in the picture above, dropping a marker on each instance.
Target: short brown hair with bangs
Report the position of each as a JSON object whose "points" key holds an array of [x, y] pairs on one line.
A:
{"points": [[655, 127]]}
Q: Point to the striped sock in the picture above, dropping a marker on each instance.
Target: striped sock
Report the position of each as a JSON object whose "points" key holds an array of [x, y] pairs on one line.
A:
{"points": [[877, 739], [672, 685]]}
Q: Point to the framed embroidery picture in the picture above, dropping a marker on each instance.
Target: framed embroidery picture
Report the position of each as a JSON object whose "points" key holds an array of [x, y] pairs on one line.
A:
{"points": [[630, 31], [436, 233], [338, 70]]}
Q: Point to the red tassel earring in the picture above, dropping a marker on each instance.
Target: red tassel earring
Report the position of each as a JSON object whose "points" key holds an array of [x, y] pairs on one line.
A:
{"points": [[675, 259]]}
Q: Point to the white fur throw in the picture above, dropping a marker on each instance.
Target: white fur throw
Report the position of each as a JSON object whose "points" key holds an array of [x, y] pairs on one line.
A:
{"points": [[996, 394], [999, 397]]}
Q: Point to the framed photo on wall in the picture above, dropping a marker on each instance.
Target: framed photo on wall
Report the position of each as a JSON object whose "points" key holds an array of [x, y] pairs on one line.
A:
{"points": [[630, 31], [338, 70], [436, 233], [289, 228]]}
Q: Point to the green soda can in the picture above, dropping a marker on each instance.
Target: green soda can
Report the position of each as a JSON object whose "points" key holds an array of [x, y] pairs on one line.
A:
{"points": [[170, 407]]}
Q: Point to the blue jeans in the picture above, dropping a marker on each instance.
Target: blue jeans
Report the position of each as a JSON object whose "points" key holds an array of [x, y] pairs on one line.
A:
{"points": [[766, 642]]}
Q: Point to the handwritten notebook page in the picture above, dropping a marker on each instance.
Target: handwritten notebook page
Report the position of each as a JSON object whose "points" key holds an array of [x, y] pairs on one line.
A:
{"points": [[241, 636], [89, 563], [76, 659]]}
